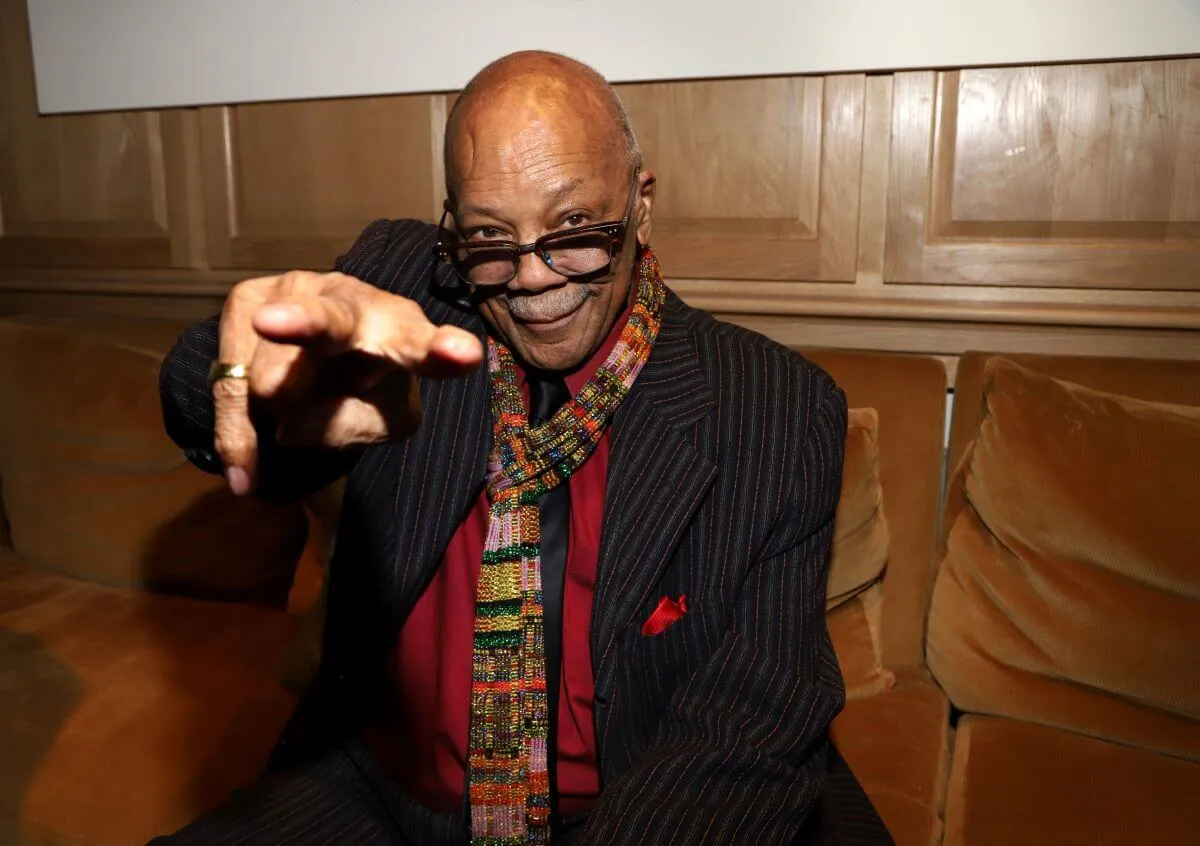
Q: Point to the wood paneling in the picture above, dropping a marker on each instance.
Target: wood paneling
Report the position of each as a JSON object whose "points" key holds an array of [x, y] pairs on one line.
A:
{"points": [[741, 166], [873, 181], [1050, 208], [84, 190], [177, 307], [1080, 176], [291, 184]]}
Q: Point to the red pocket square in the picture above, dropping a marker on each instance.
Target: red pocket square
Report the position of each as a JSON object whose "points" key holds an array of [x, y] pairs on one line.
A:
{"points": [[667, 612]]}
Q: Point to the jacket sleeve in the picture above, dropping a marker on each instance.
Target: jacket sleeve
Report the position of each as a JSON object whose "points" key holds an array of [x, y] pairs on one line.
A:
{"points": [[187, 406], [741, 756]]}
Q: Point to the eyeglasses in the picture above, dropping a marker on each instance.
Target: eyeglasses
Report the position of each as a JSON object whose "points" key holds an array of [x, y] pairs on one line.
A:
{"points": [[581, 251]]}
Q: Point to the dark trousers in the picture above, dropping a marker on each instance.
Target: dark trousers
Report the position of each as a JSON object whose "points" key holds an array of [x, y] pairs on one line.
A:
{"points": [[328, 801], [342, 798], [843, 815]]}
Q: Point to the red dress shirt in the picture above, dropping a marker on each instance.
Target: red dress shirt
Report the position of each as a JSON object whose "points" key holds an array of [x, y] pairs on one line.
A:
{"points": [[424, 749]]}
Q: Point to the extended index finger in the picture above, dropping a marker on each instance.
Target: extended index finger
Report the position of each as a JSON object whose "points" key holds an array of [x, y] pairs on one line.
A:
{"points": [[398, 330], [310, 320], [361, 318]]}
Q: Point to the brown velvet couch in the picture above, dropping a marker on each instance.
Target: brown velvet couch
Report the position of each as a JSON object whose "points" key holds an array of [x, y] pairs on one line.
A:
{"points": [[1046, 682], [147, 664], [1065, 616]]}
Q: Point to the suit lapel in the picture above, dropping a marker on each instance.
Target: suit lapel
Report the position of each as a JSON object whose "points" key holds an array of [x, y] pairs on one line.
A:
{"points": [[657, 476]]}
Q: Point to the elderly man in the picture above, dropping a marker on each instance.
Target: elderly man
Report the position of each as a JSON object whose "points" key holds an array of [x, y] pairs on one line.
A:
{"points": [[578, 588]]}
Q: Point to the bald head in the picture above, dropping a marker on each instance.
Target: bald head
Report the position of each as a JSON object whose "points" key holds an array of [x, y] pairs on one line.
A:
{"points": [[536, 93]]}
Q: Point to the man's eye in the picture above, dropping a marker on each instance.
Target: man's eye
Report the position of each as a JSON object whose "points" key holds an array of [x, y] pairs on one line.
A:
{"points": [[487, 233], [574, 220]]}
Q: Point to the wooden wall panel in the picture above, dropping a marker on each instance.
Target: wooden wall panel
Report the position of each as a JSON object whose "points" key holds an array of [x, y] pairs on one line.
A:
{"points": [[292, 184], [1075, 176], [1050, 208], [758, 179], [82, 190]]}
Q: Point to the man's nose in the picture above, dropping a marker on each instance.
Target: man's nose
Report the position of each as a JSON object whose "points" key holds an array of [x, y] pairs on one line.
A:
{"points": [[534, 275]]}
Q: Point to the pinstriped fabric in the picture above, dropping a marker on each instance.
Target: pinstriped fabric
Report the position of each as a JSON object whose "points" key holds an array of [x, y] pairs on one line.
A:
{"points": [[724, 473], [328, 804], [730, 706]]}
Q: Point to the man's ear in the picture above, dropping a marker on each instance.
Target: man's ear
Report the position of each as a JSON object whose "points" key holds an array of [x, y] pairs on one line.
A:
{"points": [[644, 206]]}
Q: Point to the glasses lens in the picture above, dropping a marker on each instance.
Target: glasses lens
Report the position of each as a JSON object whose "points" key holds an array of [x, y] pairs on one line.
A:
{"points": [[575, 255], [485, 264]]}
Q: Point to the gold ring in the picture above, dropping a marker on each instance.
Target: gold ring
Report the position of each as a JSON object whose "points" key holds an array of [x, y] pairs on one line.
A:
{"points": [[220, 370]]}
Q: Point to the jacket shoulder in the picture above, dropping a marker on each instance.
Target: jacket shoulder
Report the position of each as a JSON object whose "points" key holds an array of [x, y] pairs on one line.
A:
{"points": [[758, 369], [779, 414], [396, 256]]}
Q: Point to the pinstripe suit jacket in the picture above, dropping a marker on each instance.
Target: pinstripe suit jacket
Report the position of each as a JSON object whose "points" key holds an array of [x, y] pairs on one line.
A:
{"points": [[724, 473]]}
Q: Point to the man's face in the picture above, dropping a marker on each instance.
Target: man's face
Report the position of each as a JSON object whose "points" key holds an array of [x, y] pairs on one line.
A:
{"points": [[521, 177]]}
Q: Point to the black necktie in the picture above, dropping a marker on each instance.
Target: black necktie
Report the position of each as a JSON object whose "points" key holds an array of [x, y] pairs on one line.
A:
{"points": [[546, 396]]}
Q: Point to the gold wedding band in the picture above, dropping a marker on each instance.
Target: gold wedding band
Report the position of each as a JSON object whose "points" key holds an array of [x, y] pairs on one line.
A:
{"points": [[221, 370]]}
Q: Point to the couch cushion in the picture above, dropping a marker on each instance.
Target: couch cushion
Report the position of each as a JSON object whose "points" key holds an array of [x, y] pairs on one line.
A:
{"points": [[860, 532], [124, 715], [1069, 590], [854, 628], [92, 486], [897, 744], [1157, 380], [854, 592], [1016, 782]]}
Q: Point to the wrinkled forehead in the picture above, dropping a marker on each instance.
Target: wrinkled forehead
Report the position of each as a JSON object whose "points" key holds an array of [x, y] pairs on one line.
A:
{"points": [[521, 131]]}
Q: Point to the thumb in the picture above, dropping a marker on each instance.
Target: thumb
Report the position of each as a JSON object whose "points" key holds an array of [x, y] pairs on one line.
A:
{"points": [[391, 411]]}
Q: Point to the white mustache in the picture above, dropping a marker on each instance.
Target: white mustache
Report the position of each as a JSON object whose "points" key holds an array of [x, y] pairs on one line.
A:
{"points": [[548, 305]]}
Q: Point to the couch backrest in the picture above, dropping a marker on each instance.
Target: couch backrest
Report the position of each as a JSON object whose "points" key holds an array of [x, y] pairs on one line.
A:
{"points": [[1068, 592], [909, 394], [93, 487], [149, 335], [1156, 380]]}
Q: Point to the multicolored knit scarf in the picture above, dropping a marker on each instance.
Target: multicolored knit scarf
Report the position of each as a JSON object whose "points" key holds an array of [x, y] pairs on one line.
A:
{"points": [[510, 795]]}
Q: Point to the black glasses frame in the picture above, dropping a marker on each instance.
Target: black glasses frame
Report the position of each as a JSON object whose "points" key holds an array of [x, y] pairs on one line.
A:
{"points": [[448, 242]]}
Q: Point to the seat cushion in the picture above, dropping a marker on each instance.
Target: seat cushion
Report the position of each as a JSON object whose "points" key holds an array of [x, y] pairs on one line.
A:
{"points": [[124, 715], [1017, 782], [897, 744], [1069, 594]]}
